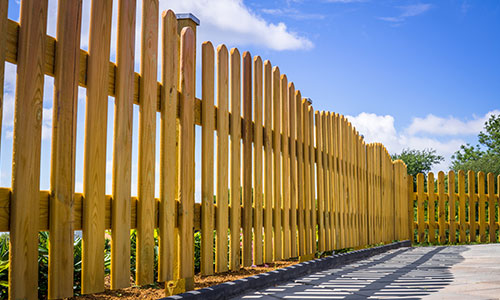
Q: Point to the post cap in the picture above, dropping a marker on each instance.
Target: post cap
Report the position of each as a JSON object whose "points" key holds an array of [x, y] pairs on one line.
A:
{"points": [[188, 16], [309, 100]]}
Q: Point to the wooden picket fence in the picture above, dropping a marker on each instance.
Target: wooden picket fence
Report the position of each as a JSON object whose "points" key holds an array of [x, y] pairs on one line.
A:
{"points": [[292, 180], [454, 210]]}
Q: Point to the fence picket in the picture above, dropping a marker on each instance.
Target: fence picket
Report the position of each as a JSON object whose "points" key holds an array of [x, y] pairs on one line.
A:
{"points": [[277, 163], [481, 206], [431, 205], [247, 160], [207, 159], [461, 212], [235, 191], [63, 151], [293, 170], [442, 211], [320, 181], [186, 153], [258, 141], [268, 164], [23, 252], [313, 204], [491, 207], [168, 147], [222, 201], [300, 174], [452, 207], [285, 164], [472, 205], [94, 169]]}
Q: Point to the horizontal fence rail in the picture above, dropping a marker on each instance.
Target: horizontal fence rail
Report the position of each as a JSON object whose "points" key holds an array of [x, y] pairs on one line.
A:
{"points": [[279, 180], [454, 208]]}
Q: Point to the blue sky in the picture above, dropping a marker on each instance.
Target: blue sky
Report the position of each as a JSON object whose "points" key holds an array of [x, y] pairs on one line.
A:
{"points": [[407, 73]]}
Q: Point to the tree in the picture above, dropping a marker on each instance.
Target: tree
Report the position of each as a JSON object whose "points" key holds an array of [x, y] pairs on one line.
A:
{"points": [[486, 155], [418, 161]]}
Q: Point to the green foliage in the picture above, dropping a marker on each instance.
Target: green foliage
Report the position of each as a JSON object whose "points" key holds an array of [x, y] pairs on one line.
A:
{"points": [[418, 161], [486, 155]]}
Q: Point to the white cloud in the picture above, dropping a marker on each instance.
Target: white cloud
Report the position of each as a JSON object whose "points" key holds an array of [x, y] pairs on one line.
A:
{"points": [[292, 13], [408, 11], [445, 135], [432, 124]]}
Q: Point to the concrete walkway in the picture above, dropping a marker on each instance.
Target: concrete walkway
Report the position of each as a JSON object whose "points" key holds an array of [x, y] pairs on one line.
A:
{"points": [[455, 272]]}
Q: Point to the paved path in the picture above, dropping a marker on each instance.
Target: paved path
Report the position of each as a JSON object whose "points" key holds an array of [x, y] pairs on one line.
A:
{"points": [[455, 272]]}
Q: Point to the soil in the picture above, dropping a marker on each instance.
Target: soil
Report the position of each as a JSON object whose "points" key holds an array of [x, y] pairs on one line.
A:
{"points": [[156, 291]]}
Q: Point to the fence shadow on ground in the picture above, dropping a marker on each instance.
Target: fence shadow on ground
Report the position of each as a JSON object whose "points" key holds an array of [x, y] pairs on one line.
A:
{"points": [[409, 273]]}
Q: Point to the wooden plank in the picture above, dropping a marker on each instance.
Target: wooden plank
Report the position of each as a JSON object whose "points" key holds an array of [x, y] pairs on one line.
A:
{"points": [[285, 164], [332, 188], [313, 205], [293, 169], [268, 164], [187, 144], [277, 163], [340, 180], [406, 204], [257, 180], [451, 208], [222, 201], [420, 208], [247, 160], [207, 159], [147, 133], [441, 205], [94, 168], [411, 213], [307, 180], [122, 146], [326, 178], [168, 145], [4, 4], [62, 179], [320, 181], [482, 206], [300, 174], [235, 127], [491, 207], [23, 253], [461, 213], [472, 205], [431, 205]]}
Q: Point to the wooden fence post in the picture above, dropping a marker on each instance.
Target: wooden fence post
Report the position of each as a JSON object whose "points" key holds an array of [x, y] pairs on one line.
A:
{"points": [[258, 143], [277, 163], [268, 164]]}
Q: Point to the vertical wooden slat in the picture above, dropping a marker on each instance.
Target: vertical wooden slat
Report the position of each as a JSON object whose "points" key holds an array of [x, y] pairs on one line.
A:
{"points": [[320, 181], [268, 164], [94, 165], [258, 141], [411, 205], [451, 208], [307, 180], [247, 159], [327, 179], [332, 188], [406, 204], [277, 163], [431, 205], [461, 212], [472, 205], [491, 207], [122, 146], [340, 180], [300, 174], [313, 184], [4, 4], [420, 207], [482, 206], [442, 212], [23, 249], [285, 164], [207, 159], [222, 201], [187, 144], [62, 179], [293, 170], [168, 145], [147, 133], [235, 127]]}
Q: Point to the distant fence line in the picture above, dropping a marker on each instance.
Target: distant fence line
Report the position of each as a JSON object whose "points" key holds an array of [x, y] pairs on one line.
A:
{"points": [[291, 180], [456, 208]]}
